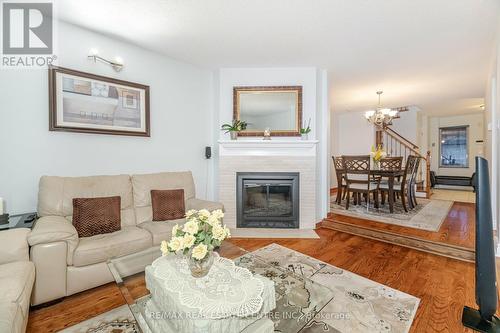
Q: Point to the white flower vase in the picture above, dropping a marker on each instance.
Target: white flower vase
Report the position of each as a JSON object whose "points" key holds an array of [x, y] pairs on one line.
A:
{"points": [[234, 135], [304, 137], [200, 268]]}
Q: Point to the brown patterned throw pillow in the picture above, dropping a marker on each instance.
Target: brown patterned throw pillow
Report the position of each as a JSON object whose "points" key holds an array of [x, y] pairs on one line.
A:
{"points": [[94, 216], [167, 204]]}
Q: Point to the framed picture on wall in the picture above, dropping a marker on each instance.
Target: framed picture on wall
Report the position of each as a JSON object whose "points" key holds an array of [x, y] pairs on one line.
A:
{"points": [[88, 103]]}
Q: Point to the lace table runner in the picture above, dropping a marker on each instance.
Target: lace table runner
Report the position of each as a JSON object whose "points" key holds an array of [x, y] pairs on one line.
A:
{"points": [[227, 290]]}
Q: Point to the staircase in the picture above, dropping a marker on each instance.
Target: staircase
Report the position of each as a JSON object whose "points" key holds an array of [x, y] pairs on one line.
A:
{"points": [[397, 145]]}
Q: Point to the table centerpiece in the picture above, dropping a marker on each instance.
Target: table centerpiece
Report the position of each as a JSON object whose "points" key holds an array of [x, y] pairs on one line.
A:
{"points": [[197, 238], [377, 155]]}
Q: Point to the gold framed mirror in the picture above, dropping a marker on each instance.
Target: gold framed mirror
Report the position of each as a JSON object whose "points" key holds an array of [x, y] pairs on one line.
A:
{"points": [[278, 108]]}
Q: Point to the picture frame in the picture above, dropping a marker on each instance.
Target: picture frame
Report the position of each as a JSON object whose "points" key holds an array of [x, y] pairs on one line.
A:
{"points": [[89, 103]]}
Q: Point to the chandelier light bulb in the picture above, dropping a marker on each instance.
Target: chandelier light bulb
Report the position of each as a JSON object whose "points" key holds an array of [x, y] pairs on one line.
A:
{"points": [[369, 114]]}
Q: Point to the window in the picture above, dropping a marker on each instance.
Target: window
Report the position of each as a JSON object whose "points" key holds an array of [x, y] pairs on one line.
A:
{"points": [[453, 145]]}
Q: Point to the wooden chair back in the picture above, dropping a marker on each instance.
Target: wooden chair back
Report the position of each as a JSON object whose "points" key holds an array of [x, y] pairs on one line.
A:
{"points": [[339, 169], [337, 163], [391, 163], [415, 169], [356, 168], [411, 162]]}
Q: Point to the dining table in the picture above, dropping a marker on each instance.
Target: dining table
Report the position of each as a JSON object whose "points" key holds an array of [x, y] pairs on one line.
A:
{"points": [[391, 175]]}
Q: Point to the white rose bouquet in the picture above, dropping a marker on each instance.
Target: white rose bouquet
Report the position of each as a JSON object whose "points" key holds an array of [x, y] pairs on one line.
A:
{"points": [[202, 233]]}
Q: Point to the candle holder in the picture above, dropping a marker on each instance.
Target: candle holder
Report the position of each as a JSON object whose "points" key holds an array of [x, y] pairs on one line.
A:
{"points": [[4, 219]]}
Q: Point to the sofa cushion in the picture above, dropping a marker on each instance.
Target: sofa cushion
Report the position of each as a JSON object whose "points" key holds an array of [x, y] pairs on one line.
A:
{"points": [[143, 184], [168, 204], [11, 318], [95, 216], [199, 204], [14, 245], [56, 194], [100, 248], [160, 230], [16, 283]]}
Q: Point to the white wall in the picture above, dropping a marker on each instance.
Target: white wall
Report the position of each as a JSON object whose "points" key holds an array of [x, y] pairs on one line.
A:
{"points": [[323, 134], [407, 124], [492, 132], [475, 123], [355, 135], [181, 105], [351, 135], [314, 106]]}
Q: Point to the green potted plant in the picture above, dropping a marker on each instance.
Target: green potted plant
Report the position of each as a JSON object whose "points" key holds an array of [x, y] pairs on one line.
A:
{"points": [[234, 128], [304, 131]]}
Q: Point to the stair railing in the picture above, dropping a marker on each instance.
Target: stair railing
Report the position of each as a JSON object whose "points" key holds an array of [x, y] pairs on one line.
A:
{"points": [[397, 145]]}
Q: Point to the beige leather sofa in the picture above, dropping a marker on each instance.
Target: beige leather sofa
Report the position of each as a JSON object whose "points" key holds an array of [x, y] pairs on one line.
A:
{"points": [[66, 264], [17, 275]]}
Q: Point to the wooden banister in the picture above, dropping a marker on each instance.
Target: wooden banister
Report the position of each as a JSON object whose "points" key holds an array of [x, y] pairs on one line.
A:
{"points": [[403, 140], [397, 145], [428, 174]]}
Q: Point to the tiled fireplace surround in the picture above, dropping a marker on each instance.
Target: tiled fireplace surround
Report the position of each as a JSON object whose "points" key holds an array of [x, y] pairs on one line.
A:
{"points": [[268, 156]]}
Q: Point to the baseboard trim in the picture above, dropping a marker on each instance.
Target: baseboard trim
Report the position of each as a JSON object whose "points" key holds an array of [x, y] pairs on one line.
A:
{"points": [[446, 250], [273, 233]]}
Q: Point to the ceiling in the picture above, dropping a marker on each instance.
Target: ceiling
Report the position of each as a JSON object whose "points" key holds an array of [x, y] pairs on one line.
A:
{"points": [[428, 53]]}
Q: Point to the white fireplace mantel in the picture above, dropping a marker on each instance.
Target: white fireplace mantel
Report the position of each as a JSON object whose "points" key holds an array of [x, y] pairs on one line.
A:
{"points": [[267, 147]]}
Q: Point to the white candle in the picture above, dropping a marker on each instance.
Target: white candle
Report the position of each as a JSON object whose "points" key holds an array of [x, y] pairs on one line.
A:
{"points": [[1, 206]]}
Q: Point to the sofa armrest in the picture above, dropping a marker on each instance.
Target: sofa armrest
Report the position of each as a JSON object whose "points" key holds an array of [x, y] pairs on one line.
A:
{"points": [[14, 245], [50, 229], [203, 204]]}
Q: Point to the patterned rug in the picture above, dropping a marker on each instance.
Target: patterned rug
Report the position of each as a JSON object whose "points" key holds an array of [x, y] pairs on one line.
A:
{"points": [[311, 297], [356, 304], [428, 215]]}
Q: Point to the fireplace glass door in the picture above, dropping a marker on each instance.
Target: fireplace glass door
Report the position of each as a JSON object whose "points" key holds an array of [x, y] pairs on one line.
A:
{"points": [[268, 202]]}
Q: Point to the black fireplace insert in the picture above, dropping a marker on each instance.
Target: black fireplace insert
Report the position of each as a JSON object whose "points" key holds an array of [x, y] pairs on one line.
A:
{"points": [[267, 199]]}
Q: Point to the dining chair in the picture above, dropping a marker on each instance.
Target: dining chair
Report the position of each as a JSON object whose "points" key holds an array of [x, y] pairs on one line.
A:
{"points": [[339, 171], [403, 188], [413, 183], [391, 163], [358, 179]]}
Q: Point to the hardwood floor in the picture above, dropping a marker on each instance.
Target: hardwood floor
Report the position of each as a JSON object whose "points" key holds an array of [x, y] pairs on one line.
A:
{"points": [[444, 285], [455, 237], [85, 305], [457, 229]]}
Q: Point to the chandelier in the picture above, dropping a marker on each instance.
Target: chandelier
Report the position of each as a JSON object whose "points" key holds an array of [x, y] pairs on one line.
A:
{"points": [[380, 116]]}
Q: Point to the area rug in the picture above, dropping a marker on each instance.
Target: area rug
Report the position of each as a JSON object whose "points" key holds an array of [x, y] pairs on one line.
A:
{"points": [[356, 304], [311, 296], [428, 215]]}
